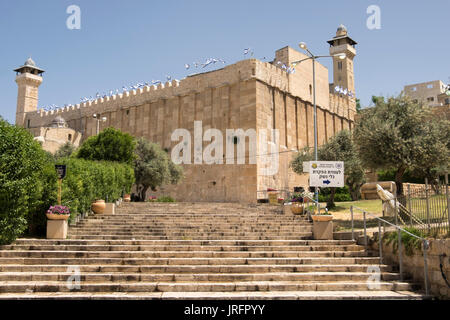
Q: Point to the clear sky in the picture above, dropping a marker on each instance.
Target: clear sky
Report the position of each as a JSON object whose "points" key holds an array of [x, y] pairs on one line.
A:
{"points": [[126, 42]]}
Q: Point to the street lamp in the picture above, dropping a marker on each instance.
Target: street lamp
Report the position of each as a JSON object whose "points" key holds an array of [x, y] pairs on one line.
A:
{"points": [[313, 57], [97, 117]]}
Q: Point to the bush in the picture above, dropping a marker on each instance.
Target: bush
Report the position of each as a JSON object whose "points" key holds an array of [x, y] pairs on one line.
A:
{"points": [[409, 243], [342, 194], [89, 180], [23, 174], [165, 199], [109, 145]]}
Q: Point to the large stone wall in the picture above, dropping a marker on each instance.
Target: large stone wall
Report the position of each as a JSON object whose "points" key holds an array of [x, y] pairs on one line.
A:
{"points": [[249, 94]]}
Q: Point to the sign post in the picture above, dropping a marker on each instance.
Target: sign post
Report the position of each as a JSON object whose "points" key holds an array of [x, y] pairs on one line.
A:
{"points": [[326, 174], [61, 172]]}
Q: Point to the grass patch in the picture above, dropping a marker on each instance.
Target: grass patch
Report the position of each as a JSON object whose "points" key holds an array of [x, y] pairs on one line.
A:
{"points": [[373, 206]]}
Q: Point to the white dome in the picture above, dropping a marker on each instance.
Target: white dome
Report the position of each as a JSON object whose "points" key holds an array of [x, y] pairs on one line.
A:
{"points": [[30, 62]]}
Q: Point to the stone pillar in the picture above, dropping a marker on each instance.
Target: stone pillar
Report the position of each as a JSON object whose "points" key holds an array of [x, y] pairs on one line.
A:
{"points": [[57, 229]]}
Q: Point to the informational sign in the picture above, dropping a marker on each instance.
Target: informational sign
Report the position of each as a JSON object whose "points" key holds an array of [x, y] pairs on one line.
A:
{"points": [[326, 174], [60, 170]]}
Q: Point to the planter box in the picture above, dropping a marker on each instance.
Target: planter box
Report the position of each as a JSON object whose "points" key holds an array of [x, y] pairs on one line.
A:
{"points": [[110, 208], [322, 227], [273, 197], [57, 229]]}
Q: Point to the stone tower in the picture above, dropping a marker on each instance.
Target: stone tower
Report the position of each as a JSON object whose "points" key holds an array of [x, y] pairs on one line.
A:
{"points": [[29, 78], [343, 69]]}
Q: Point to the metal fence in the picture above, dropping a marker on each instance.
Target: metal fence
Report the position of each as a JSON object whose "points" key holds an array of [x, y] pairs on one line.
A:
{"points": [[427, 207]]}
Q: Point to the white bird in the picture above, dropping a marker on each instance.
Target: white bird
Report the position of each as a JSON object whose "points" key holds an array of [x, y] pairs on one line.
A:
{"points": [[168, 78], [124, 88], [187, 66]]}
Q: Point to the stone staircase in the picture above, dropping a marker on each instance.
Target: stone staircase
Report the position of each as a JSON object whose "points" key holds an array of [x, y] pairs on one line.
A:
{"points": [[194, 251]]}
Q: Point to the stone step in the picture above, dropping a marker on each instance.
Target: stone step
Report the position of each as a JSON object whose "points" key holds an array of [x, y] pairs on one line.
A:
{"points": [[221, 242], [61, 286], [186, 269], [182, 248], [208, 277], [176, 254], [305, 235], [243, 295], [192, 261]]}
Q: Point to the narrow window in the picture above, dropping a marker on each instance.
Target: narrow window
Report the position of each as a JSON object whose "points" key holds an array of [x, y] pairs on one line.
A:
{"points": [[69, 137], [28, 123]]}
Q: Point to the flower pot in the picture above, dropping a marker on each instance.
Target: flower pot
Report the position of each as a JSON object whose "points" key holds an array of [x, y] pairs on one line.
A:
{"points": [[322, 217], [297, 208], [98, 206], [127, 198], [53, 216]]}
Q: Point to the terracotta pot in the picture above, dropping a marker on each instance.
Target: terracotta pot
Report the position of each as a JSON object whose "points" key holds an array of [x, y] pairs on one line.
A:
{"points": [[98, 206], [297, 208], [322, 217], [127, 198], [53, 216]]}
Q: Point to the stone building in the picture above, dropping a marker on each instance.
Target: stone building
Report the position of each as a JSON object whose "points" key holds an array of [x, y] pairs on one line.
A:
{"points": [[427, 92], [249, 94]]}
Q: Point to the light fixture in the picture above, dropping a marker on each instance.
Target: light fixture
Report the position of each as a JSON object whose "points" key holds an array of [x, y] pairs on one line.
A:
{"points": [[104, 119], [341, 56], [94, 115], [303, 46]]}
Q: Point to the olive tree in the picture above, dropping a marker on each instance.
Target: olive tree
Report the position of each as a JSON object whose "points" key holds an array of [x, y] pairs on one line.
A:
{"points": [[153, 167], [399, 133], [338, 148]]}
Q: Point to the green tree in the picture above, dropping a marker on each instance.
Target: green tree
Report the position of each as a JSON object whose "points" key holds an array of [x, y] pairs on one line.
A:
{"points": [[22, 164], [109, 145], [338, 148], [65, 151], [153, 167], [398, 133], [358, 105]]}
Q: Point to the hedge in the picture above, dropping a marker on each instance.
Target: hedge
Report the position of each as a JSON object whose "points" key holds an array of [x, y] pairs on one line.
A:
{"points": [[87, 180], [26, 177]]}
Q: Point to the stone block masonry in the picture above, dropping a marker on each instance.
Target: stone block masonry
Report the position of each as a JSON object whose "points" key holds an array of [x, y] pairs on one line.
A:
{"points": [[249, 94]]}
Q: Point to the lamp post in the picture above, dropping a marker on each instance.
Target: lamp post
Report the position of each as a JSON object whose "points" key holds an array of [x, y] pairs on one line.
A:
{"points": [[97, 117], [313, 57]]}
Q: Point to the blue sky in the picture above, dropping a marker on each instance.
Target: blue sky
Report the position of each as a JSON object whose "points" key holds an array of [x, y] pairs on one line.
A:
{"points": [[125, 42]]}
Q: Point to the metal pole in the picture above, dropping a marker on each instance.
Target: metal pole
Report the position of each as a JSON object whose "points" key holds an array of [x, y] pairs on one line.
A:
{"points": [[409, 204], [380, 240], [365, 232], [400, 259], [425, 265], [59, 191], [316, 192], [448, 201], [428, 204], [353, 231], [98, 125]]}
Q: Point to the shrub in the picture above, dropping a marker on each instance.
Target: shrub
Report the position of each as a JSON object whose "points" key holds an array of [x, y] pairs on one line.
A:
{"points": [[109, 145], [165, 199], [89, 180], [342, 194], [22, 167], [408, 241]]}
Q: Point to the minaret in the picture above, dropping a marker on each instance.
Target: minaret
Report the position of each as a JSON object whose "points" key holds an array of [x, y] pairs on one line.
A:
{"points": [[29, 78], [343, 69]]}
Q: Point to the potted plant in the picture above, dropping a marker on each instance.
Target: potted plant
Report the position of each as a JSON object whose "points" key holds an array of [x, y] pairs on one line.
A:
{"points": [[58, 213], [297, 203], [98, 206]]}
